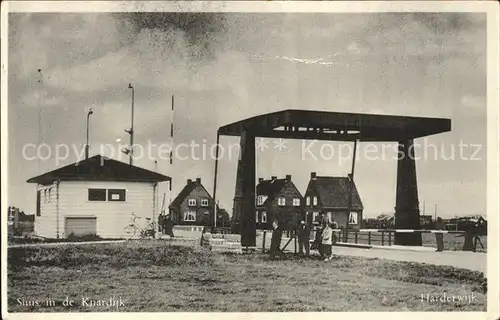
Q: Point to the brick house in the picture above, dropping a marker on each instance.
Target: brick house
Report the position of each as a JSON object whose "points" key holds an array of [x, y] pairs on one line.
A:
{"points": [[277, 199], [330, 196], [193, 205]]}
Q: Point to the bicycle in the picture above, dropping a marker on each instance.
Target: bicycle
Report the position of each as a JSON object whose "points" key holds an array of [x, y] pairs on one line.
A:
{"points": [[133, 229]]}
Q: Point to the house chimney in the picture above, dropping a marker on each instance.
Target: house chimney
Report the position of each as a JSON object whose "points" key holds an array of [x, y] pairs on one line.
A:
{"points": [[189, 181], [198, 180], [274, 178], [288, 177], [313, 175], [261, 179]]}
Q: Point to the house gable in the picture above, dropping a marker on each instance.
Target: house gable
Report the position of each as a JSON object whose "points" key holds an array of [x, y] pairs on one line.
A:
{"points": [[193, 205], [197, 193], [333, 193], [288, 191]]}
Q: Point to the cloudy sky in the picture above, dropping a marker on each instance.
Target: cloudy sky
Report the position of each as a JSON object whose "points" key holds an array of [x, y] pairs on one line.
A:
{"points": [[226, 67]]}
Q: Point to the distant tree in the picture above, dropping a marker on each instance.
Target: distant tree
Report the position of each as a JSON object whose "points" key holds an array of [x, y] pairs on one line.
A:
{"points": [[223, 219]]}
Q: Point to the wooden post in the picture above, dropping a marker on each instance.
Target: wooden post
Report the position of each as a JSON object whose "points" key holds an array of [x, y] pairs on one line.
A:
{"points": [[390, 235], [369, 238], [356, 237], [294, 244], [264, 243], [382, 238]]}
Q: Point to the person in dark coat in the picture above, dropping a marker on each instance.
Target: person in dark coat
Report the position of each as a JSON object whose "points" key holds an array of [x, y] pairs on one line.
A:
{"points": [[169, 226], [477, 231], [439, 235], [275, 240], [303, 234]]}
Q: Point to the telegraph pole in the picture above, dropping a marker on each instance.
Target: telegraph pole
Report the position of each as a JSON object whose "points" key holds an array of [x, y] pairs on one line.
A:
{"points": [[131, 131], [87, 144]]}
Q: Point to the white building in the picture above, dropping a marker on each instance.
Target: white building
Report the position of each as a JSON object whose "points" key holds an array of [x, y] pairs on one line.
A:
{"points": [[95, 196]]}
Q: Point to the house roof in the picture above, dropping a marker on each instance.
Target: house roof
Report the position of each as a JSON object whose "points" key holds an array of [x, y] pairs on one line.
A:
{"points": [[186, 191], [270, 188], [99, 168], [333, 192]]}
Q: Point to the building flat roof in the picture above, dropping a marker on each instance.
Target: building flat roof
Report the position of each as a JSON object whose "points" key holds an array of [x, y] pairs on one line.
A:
{"points": [[100, 168], [324, 125]]}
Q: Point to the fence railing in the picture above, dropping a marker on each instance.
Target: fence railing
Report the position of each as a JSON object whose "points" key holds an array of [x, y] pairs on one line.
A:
{"points": [[377, 237]]}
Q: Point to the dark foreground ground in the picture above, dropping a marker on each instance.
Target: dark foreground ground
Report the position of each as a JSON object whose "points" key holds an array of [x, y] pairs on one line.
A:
{"points": [[155, 276]]}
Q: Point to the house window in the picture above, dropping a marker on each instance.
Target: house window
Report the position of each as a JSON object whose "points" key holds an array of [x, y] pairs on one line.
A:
{"points": [[190, 216], [315, 201], [50, 194], [44, 195], [281, 201], [308, 201], [116, 194], [207, 213], [315, 217], [97, 194], [264, 217], [260, 200], [204, 202], [296, 202], [192, 202]]}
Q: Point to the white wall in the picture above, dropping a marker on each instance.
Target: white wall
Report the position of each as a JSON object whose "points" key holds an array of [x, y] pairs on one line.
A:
{"points": [[45, 224], [112, 216]]}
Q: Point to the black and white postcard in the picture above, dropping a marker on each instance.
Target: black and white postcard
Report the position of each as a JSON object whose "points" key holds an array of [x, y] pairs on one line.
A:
{"points": [[250, 158]]}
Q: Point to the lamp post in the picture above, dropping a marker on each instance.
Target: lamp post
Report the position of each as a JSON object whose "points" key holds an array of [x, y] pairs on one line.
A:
{"points": [[131, 131], [87, 144]]}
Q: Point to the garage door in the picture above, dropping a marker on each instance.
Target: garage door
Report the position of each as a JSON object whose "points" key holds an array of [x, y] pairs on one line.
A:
{"points": [[80, 226]]}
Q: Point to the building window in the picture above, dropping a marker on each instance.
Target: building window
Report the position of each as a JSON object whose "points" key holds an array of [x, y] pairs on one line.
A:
{"points": [[207, 213], [204, 202], [353, 218], [281, 201], [315, 217], [315, 201], [97, 194], [264, 217], [44, 195], [308, 201], [116, 194], [260, 200], [190, 216], [192, 202], [257, 216], [296, 202], [50, 194]]}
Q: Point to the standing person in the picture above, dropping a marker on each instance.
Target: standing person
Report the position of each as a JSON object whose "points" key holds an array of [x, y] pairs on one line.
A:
{"points": [[275, 240], [478, 230], [334, 226], [303, 237], [169, 226], [326, 241], [160, 223], [439, 235]]}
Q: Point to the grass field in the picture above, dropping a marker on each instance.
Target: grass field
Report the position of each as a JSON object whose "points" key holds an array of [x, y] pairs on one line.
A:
{"points": [[155, 276]]}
